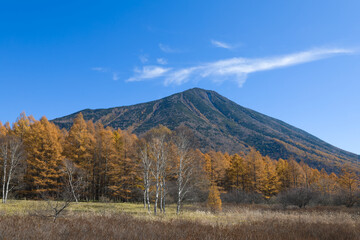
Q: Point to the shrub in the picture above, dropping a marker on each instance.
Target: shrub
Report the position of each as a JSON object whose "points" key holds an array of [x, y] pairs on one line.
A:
{"points": [[347, 199], [239, 196], [298, 196]]}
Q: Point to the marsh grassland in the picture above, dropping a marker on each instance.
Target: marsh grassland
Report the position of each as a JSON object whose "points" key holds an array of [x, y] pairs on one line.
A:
{"points": [[29, 220]]}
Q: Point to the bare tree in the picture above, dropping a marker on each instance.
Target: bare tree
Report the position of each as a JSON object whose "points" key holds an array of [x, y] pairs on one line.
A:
{"points": [[73, 178], [163, 176], [56, 206], [66, 194], [184, 141], [146, 163], [12, 154], [157, 139]]}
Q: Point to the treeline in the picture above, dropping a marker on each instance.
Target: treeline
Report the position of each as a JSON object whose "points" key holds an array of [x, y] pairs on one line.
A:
{"points": [[91, 162]]}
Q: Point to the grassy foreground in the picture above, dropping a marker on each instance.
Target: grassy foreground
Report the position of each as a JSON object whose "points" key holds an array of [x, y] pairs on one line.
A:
{"points": [[26, 220]]}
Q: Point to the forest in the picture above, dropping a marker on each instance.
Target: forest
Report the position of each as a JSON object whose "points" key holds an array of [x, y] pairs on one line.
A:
{"points": [[93, 163]]}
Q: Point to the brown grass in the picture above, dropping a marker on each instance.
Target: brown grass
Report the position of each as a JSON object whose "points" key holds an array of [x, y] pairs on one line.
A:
{"points": [[128, 227], [236, 222]]}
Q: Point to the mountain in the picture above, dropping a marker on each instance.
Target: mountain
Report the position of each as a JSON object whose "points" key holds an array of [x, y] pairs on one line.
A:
{"points": [[222, 125]]}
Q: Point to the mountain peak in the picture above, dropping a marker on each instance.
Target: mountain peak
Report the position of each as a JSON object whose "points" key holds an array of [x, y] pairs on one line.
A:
{"points": [[221, 125], [196, 89]]}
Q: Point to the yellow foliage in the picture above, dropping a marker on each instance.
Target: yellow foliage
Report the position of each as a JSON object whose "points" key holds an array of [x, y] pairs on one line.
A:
{"points": [[269, 180], [44, 160], [236, 174], [214, 200]]}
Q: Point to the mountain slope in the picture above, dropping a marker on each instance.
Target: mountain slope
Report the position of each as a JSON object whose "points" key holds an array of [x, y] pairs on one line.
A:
{"points": [[222, 125]]}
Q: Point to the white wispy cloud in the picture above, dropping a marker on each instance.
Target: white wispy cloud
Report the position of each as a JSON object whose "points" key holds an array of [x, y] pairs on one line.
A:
{"points": [[235, 69], [179, 77], [221, 44], [99, 69], [148, 72], [161, 61], [166, 48]]}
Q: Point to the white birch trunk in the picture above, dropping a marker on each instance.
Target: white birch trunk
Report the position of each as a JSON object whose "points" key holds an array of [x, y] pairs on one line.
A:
{"points": [[4, 179], [11, 152]]}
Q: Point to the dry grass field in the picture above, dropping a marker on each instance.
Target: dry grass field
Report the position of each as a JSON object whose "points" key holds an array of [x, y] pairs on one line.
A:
{"points": [[27, 220]]}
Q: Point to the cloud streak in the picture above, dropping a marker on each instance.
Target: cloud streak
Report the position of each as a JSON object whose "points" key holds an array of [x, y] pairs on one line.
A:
{"points": [[234, 69], [167, 49], [99, 69], [221, 44], [161, 61], [148, 72]]}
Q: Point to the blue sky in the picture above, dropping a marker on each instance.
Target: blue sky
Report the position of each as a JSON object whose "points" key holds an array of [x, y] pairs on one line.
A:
{"points": [[296, 61]]}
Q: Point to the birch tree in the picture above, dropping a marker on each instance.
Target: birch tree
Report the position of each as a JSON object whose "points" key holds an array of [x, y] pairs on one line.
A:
{"points": [[73, 178], [12, 154], [185, 166], [146, 164], [157, 139]]}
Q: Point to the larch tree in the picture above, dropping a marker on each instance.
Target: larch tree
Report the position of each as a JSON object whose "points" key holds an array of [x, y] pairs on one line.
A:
{"points": [[269, 180], [214, 201], [349, 182], [4, 129], [296, 174], [104, 152], [207, 166], [219, 162], [283, 171], [311, 176], [115, 167], [130, 181], [333, 182], [79, 148], [326, 183], [22, 125], [255, 168], [44, 158], [236, 174], [123, 172]]}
